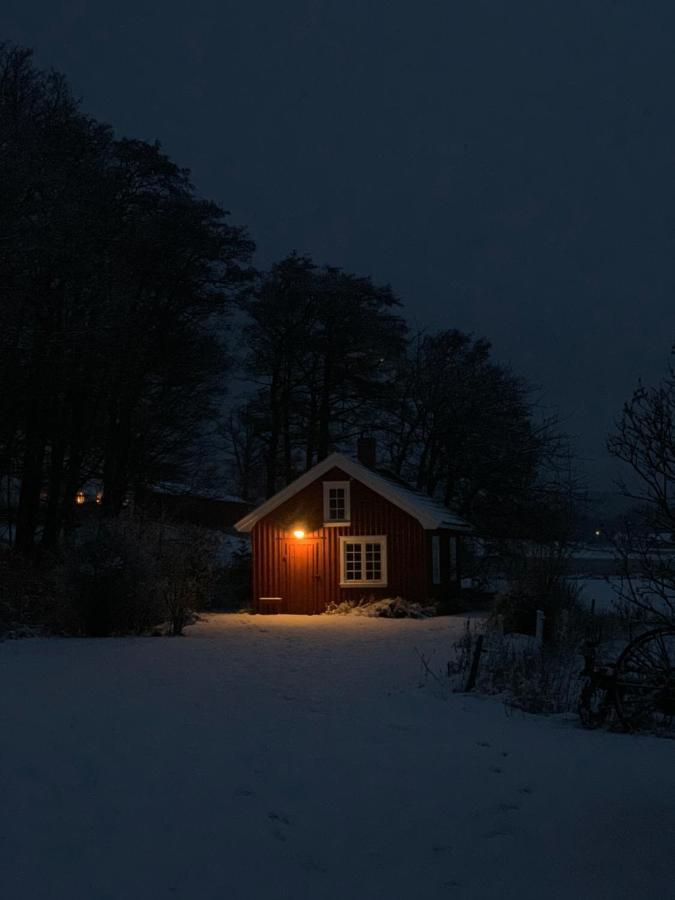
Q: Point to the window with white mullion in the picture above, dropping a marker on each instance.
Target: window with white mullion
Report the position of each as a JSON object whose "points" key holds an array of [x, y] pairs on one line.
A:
{"points": [[373, 562], [363, 561], [336, 503], [352, 562]]}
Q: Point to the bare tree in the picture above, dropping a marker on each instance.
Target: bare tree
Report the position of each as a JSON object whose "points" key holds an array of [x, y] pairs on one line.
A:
{"points": [[644, 438]]}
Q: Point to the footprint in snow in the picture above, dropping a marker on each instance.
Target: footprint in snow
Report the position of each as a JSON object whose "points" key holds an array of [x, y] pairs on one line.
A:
{"points": [[442, 848], [243, 792], [525, 790], [278, 832], [276, 817], [483, 744], [508, 807], [309, 864], [496, 770], [497, 832]]}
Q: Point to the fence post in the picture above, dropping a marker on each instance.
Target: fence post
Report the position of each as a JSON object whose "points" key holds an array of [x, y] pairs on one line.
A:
{"points": [[539, 633], [475, 662]]}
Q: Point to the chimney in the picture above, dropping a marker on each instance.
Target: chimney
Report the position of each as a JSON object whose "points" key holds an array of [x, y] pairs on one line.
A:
{"points": [[366, 451]]}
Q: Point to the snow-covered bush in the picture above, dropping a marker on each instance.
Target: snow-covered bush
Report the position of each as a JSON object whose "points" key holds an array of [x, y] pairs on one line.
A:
{"points": [[388, 607]]}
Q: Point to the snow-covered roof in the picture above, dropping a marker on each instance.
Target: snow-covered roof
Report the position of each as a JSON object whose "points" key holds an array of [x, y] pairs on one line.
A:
{"points": [[176, 489], [428, 512]]}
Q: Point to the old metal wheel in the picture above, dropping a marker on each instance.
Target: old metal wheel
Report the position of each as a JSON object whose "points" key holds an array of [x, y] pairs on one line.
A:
{"points": [[644, 687]]}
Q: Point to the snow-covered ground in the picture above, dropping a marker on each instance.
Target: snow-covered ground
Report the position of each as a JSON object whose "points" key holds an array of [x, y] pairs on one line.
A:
{"points": [[293, 757]]}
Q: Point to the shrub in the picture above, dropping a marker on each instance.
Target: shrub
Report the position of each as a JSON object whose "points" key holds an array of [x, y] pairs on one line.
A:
{"points": [[187, 572], [388, 608], [235, 581], [534, 679], [30, 599], [110, 574], [536, 580], [128, 575]]}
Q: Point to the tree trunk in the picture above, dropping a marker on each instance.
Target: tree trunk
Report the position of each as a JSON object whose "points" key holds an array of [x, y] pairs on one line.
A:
{"points": [[31, 485], [116, 462], [273, 446], [324, 411], [52, 527]]}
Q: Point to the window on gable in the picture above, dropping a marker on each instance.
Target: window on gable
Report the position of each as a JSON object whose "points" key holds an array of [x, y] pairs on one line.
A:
{"points": [[363, 561], [336, 502]]}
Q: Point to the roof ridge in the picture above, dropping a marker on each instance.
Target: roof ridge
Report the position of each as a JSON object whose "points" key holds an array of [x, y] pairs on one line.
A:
{"points": [[428, 512]]}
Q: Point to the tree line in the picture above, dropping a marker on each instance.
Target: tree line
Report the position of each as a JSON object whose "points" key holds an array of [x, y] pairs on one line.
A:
{"points": [[130, 308], [329, 358], [115, 277]]}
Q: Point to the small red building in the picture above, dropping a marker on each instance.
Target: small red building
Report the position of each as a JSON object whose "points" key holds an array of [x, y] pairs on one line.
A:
{"points": [[343, 531]]}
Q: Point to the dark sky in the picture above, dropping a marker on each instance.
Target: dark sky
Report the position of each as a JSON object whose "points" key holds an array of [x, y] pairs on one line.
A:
{"points": [[507, 165]]}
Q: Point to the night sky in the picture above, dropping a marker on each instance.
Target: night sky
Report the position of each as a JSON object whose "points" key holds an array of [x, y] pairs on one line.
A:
{"points": [[509, 167]]}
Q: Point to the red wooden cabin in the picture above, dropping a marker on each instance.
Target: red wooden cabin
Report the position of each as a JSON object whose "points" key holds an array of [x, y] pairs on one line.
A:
{"points": [[342, 531]]}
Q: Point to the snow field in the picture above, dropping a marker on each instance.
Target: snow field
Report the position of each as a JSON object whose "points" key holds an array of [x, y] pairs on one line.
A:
{"points": [[303, 757]]}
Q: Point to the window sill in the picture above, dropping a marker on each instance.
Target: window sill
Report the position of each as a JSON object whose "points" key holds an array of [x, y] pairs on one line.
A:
{"points": [[362, 584], [336, 524]]}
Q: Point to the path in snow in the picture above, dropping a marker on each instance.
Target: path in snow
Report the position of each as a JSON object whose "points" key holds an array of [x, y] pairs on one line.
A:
{"points": [[293, 757]]}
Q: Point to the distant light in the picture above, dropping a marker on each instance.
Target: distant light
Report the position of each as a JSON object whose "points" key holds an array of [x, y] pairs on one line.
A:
{"points": [[99, 498], [80, 498], [597, 532], [299, 534]]}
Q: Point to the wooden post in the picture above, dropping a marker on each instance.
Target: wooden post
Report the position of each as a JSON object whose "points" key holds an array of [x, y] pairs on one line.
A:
{"points": [[539, 633], [475, 662]]}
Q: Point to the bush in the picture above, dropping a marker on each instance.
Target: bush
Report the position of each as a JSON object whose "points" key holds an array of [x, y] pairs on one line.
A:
{"points": [[388, 608], [187, 573], [235, 582], [110, 574], [127, 576], [534, 679], [30, 597], [536, 580]]}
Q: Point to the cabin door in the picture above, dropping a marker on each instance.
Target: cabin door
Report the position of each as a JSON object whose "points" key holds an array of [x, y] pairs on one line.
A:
{"points": [[302, 579]]}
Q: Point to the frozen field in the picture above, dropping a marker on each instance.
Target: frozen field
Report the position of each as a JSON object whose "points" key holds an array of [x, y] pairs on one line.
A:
{"points": [[293, 757]]}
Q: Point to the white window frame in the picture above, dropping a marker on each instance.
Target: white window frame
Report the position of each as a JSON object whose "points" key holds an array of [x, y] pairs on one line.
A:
{"points": [[435, 559], [364, 539], [333, 523]]}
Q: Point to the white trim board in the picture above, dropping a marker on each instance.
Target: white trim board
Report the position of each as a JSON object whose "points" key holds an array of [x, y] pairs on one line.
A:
{"points": [[428, 512]]}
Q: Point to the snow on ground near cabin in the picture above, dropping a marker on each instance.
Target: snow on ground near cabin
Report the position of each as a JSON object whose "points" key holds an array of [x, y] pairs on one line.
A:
{"points": [[297, 757]]}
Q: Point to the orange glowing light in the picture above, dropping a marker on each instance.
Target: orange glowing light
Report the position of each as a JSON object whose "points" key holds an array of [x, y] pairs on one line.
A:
{"points": [[80, 498], [299, 533]]}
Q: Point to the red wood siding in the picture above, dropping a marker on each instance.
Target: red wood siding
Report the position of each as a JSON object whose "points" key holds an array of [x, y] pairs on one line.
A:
{"points": [[408, 549]]}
